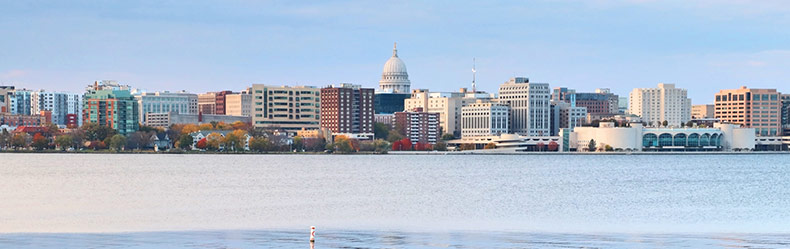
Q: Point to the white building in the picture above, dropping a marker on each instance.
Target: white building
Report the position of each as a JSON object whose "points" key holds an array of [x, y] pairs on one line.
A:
{"points": [[665, 103], [59, 103], [485, 119], [529, 106], [165, 102], [394, 78], [638, 138], [447, 104]]}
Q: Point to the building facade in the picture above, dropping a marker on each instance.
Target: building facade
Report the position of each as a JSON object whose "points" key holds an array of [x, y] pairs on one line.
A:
{"points": [[207, 103], [565, 116], [285, 107], [485, 119], [5, 95], [664, 103], [106, 106], [165, 120], [529, 106], [755, 108], [703, 111], [58, 103], [786, 114], [165, 102], [389, 103], [638, 138], [238, 104], [447, 104], [394, 78], [419, 126], [602, 101], [347, 108]]}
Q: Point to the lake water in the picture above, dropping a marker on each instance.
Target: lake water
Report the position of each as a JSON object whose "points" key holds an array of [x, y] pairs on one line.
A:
{"points": [[394, 201]]}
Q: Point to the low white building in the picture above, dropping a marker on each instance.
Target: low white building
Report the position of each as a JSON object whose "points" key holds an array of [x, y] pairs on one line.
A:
{"points": [[723, 137]]}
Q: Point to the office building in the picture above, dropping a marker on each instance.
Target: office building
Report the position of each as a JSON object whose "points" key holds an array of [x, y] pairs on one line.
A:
{"points": [[207, 103], [664, 103], [485, 119], [447, 104], [165, 102], [702, 111], [602, 101], [165, 120], [566, 116], [347, 109], [754, 108], [59, 104], [239, 104], [285, 107], [529, 106]]}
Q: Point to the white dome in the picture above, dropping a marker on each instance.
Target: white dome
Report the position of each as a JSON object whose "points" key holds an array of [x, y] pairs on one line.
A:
{"points": [[394, 66], [394, 77]]}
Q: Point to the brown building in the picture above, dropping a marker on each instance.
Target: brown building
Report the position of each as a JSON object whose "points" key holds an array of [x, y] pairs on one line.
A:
{"points": [[702, 111], [220, 102], [752, 108], [25, 120], [419, 126], [347, 108], [207, 103]]}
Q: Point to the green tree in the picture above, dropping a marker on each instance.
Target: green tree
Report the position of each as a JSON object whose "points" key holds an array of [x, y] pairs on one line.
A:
{"points": [[298, 143], [185, 141], [448, 136], [96, 132], [117, 142], [213, 141], [665, 123], [381, 130], [64, 142], [440, 146], [591, 145], [608, 148], [260, 144], [394, 136]]}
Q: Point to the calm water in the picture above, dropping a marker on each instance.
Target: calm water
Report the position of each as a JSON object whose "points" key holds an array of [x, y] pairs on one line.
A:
{"points": [[463, 201]]}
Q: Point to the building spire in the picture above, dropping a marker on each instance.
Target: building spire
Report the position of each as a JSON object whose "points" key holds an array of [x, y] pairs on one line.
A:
{"points": [[395, 50], [474, 74]]}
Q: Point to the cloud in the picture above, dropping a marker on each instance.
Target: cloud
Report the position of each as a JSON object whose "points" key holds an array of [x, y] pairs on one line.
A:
{"points": [[13, 74]]}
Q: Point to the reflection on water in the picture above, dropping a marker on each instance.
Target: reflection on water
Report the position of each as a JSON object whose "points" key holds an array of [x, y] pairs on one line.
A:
{"points": [[387, 239]]}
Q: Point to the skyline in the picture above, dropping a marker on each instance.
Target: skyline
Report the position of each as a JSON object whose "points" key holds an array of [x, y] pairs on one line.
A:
{"points": [[702, 46]]}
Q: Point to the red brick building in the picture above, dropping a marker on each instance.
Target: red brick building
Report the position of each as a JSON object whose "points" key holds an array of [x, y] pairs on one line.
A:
{"points": [[220, 101], [419, 126], [347, 109]]}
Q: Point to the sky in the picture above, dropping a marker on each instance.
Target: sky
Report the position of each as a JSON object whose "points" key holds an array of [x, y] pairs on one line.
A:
{"points": [[200, 46]]}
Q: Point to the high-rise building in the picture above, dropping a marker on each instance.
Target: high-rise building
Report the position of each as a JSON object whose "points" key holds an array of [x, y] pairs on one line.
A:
{"points": [[59, 104], [238, 104], [394, 78], [419, 126], [207, 103], [664, 103], [347, 108], [165, 102], [447, 104], [485, 119], [285, 107], [389, 103], [751, 108], [112, 106], [20, 102], [529, 106], [702, 111]]}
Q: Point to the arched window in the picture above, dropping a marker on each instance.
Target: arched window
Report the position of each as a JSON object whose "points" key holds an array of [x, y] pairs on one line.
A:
{"points": [[693, 140], [665, 140], [714, 140], [704, 140], [680, 140], [649, 140]]}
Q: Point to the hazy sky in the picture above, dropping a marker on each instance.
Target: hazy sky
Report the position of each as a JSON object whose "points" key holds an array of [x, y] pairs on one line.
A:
{"points": [[201, 46]]}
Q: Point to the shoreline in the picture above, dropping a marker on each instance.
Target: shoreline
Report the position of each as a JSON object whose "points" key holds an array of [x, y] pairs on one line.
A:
{"points": [[470, 152]]}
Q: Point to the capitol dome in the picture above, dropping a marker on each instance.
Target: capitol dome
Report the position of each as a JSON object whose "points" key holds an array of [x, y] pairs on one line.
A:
{"points": [[394, 77]]}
